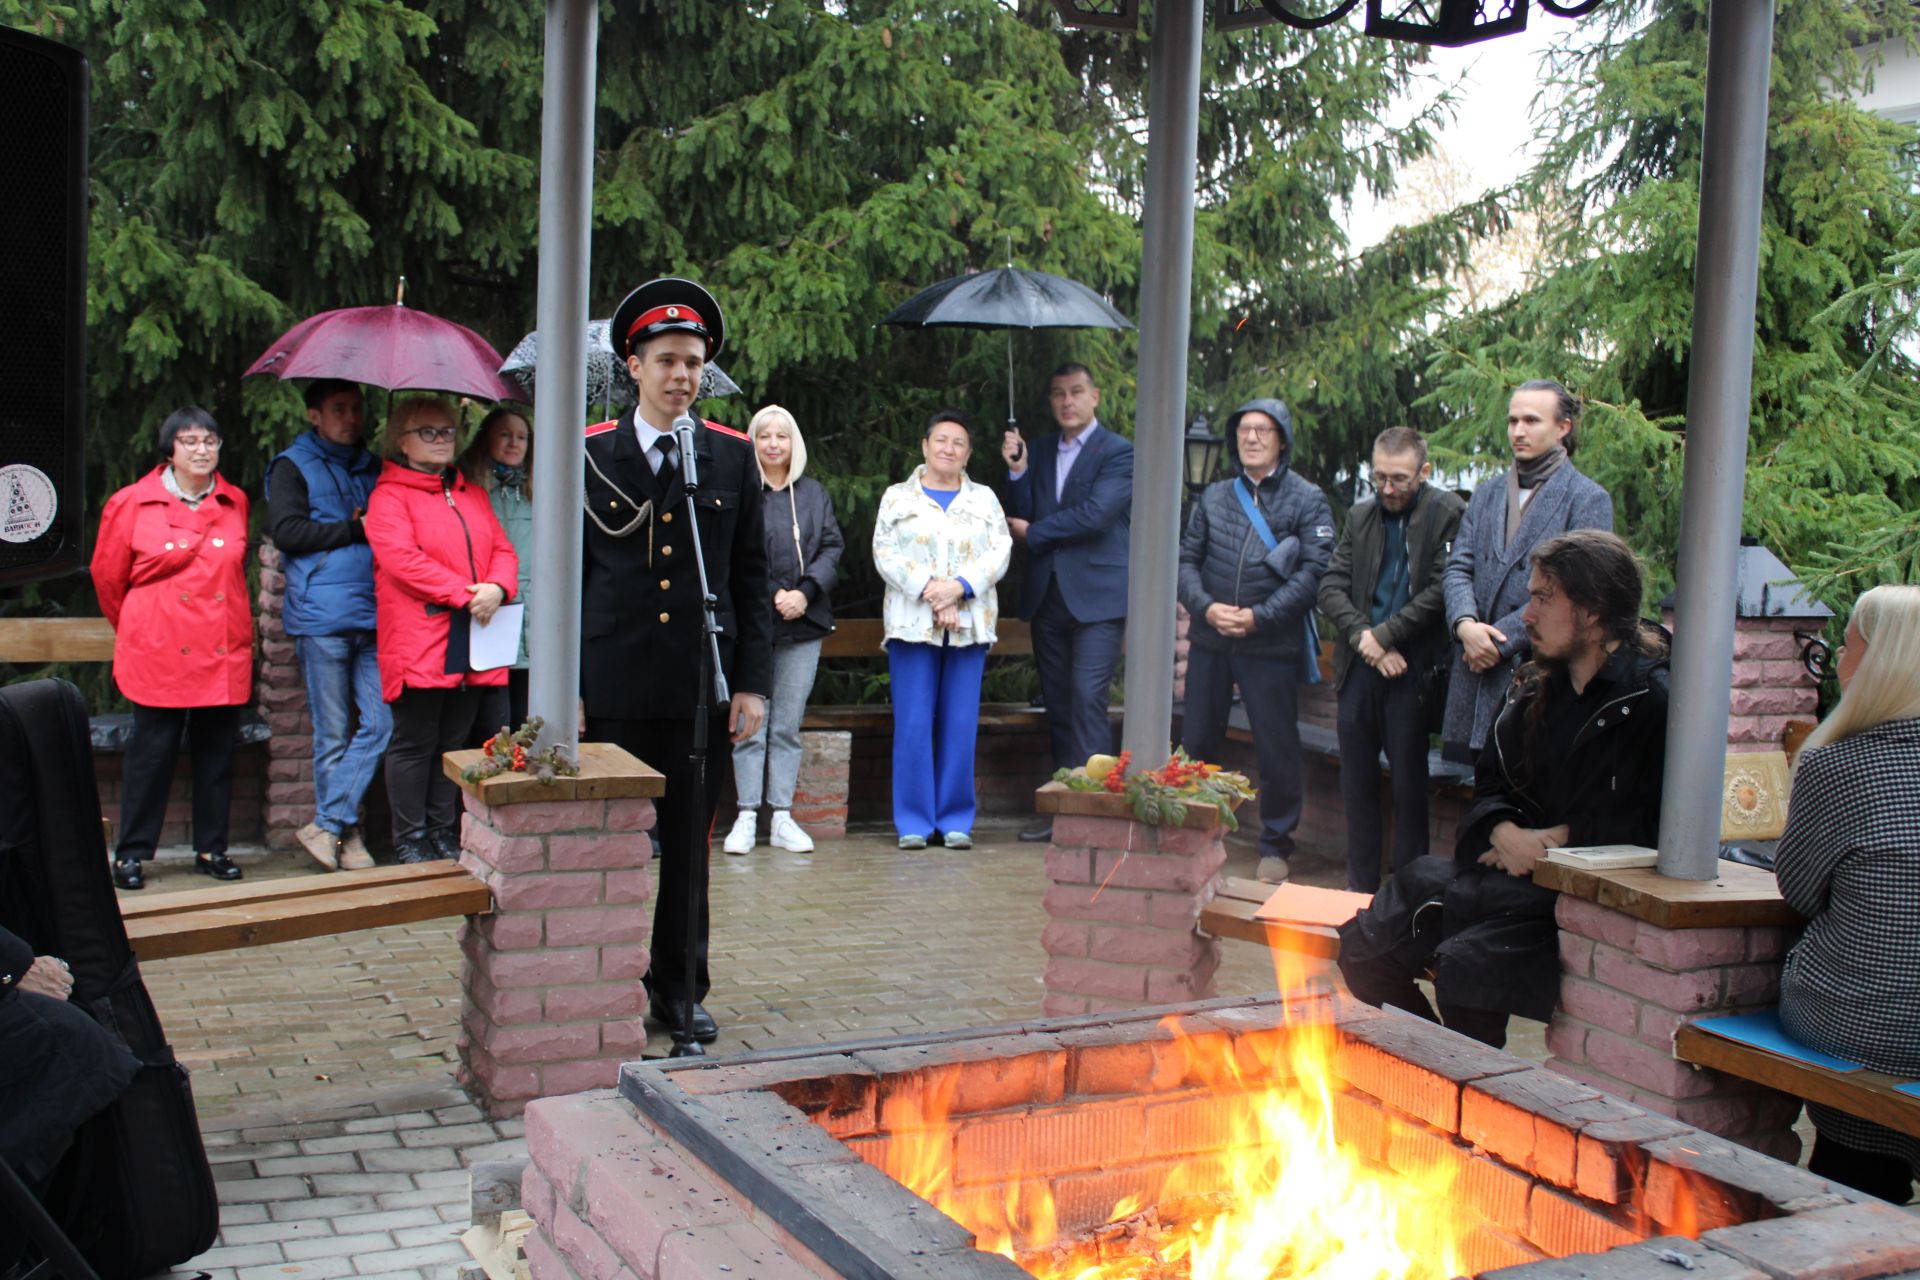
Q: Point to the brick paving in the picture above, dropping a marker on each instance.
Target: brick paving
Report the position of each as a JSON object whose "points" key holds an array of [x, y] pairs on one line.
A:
{"points": [[323, 1069]]}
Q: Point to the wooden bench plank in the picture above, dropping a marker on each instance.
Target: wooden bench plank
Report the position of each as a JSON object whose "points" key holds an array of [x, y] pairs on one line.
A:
{"points": [[1867, 1094], [33, 641], [224, 928], [148, 906], [1230, 915], [863, 637]]}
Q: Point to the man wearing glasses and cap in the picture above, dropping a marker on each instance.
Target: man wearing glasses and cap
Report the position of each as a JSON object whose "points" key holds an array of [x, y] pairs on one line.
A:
{"points": [[641, 632]]}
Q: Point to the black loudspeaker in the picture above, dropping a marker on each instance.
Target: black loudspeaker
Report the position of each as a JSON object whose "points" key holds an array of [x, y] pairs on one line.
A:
{"points": [[43, 297]]}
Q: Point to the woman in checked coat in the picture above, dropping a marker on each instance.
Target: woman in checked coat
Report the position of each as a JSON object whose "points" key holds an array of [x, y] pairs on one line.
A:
{"points": [[1850, 863]]}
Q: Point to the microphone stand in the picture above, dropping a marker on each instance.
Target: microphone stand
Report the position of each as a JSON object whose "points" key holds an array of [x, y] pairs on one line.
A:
{"points": [[713, 680]]}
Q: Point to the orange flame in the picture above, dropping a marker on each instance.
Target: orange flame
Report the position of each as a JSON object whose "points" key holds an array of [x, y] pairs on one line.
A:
{"points": [[1284, 1199]]}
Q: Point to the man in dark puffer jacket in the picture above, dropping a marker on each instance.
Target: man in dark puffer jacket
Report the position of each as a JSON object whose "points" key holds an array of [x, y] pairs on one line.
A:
{"points": [[1249, 602]]}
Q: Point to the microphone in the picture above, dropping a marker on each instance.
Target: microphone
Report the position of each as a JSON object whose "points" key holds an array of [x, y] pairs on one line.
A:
{"points": [[683, 440]]}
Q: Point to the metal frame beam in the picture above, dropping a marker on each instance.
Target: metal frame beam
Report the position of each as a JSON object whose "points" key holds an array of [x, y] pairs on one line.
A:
{"points": [[1719, 402], [560, 379], [1166, 297]]}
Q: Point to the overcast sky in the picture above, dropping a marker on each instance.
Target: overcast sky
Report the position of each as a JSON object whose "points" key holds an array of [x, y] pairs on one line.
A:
{"points": [[1492, 132]]}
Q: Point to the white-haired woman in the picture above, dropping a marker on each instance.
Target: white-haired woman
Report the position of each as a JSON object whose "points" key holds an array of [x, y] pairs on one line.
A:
{"points": [[1850, 863], [803, 563], [940, 543]]}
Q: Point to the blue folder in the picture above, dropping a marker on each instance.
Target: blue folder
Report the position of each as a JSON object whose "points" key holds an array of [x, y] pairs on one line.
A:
{"points": [[1763, 1031]]}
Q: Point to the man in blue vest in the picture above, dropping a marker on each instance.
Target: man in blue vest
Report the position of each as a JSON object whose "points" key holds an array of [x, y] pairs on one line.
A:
{"points": [[316, 495], [1070, 501]]}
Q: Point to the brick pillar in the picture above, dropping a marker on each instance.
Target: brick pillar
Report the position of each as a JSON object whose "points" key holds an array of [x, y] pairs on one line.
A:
{"points": [[826, 778], [281, 694], [1770, 683], [1627, 985], [1124, 908], [551, 978]]}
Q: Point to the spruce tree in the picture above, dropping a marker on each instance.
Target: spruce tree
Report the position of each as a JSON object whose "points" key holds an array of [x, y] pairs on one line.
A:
{"points": [[1833, 473]]}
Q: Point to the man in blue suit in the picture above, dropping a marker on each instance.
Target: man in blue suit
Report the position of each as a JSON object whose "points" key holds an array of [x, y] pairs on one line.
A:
{"points": [[1070, 501]]}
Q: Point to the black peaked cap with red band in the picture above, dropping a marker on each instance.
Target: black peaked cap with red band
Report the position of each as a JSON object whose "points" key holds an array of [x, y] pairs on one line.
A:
{"points": [[667, 305]]}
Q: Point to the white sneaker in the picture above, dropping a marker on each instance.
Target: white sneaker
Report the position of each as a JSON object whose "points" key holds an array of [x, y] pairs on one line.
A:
{"points": [[784, 833], [1274, 869], [740, 839]]}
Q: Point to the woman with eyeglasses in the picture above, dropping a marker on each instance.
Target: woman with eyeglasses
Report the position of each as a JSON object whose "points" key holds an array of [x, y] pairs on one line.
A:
{"points": [[441, 562], [170, 571]]}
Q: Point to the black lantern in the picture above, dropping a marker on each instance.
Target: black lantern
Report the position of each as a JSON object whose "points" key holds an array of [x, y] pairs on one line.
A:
{"points": [[1442, 22], [1202, 456]]}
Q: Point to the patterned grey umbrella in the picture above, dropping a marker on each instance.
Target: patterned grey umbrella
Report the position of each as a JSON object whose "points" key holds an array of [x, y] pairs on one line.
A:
{"points": [[607, 380]]}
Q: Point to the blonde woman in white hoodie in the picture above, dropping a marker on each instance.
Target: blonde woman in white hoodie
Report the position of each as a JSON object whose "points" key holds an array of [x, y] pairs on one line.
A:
{"points": [[941, 544]]}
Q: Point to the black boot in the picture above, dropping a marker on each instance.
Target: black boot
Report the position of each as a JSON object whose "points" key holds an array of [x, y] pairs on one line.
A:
{"points": [[444, 841], [412, 849], [129, 874]]}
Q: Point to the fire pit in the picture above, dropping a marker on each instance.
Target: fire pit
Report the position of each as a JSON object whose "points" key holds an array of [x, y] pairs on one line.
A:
{"points": [[1283, 1137]]}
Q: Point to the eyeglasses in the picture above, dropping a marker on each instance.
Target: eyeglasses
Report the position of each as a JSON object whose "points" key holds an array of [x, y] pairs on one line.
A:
{"points": [[193, 444], [432, 435], [1386, 480], [1256, 433]]}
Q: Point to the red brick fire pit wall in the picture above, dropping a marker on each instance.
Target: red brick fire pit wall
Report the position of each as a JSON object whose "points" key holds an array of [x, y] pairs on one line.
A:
{"points": [[766, 1165], [1123, 906], [1641, 955]]}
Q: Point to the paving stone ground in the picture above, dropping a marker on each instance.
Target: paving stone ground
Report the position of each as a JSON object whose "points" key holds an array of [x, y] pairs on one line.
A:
{"points": [[323, 1069]]}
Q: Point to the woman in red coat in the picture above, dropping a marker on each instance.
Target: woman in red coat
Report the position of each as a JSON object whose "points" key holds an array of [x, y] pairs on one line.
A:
{"points": [[170, 571], [441, 562]]}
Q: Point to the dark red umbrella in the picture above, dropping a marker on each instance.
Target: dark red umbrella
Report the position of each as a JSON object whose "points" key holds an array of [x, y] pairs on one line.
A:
{"points": [[394, 347]]}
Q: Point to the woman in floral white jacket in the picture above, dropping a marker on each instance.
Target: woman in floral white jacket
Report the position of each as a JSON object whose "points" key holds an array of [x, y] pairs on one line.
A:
{"points": [[941, 543]]}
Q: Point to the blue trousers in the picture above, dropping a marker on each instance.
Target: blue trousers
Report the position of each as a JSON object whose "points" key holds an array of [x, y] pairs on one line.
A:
{"points": [[936, 714], [342, 674]]}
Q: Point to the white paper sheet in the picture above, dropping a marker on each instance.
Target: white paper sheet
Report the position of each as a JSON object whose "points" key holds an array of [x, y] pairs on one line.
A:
{"points": [[496, 643]]}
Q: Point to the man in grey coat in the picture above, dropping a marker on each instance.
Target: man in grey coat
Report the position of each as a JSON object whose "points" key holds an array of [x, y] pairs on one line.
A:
{"points": [[1540, 497], [1382, 594], [1249, 591]]}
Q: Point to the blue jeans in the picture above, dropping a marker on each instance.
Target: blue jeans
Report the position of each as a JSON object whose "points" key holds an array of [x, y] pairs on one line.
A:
{"points": [[772, 755], [343, 681], [936, 714]]}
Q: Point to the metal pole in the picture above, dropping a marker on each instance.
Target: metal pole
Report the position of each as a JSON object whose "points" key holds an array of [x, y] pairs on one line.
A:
{"points": [[1719, 399], [1166, 298], [560, 380]]}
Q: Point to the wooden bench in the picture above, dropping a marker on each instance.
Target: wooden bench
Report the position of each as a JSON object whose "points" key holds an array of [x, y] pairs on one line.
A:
{"points": [[33, 642], [1871, 1095], [164, 925], [1230, 915], [864, 637]]}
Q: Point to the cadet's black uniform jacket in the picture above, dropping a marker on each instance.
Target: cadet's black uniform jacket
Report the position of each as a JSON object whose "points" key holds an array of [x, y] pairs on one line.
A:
{"points": [[640, 604]]}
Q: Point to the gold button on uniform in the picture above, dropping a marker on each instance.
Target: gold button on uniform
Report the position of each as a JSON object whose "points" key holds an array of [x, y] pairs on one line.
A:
{"points": [[667, 516], [664, 584], [666, 551], [663, 617]]}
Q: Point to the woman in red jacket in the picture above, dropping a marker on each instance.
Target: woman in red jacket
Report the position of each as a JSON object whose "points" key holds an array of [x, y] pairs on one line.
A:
{"points": [[441, 562], [170, 571]]}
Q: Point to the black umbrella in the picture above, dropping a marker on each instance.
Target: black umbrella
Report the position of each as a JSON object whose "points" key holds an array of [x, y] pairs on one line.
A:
{"points": [[1007, 298]]}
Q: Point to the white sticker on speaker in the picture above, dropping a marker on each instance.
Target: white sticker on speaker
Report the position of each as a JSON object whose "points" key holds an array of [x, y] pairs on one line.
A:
{"points": [[28, 503]]}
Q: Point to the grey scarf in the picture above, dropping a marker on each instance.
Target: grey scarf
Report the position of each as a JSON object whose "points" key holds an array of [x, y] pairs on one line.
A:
{"points": [[1529, 475]]}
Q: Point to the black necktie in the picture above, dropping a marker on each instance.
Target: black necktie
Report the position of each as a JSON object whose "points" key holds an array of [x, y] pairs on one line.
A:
{"points": [[665, 470]]}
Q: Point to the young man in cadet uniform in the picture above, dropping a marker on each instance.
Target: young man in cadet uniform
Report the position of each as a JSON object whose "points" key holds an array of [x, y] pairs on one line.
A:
{"points": [[641, 631]]}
